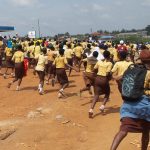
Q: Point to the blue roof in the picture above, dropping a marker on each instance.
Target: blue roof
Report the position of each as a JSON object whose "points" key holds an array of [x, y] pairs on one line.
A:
{"points": [[107, 37], [6, 28]]}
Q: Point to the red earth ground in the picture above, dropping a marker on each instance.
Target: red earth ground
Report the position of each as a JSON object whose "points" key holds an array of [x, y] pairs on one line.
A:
{"points": [[35, 122]]}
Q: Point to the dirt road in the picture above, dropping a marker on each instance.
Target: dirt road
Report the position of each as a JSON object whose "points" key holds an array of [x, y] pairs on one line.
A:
{"points": [[29, 121]]}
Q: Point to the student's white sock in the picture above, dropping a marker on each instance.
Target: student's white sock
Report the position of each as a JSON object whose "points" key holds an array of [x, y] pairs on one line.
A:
{"points": [[41, 89], [39, 86], [61, 90], [18, 88], [91, 110], [102, 107]]}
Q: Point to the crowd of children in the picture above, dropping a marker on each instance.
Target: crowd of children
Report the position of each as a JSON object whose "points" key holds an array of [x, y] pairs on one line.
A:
{"points": [[102, 62]]}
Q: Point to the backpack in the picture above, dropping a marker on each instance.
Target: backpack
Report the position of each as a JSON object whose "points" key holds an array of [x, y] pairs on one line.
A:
{"points": [[133, 82]]}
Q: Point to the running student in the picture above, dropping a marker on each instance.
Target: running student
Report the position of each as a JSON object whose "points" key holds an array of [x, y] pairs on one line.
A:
{"points": [[101, 85], [78, 51], [89, 74], [69, 57], [135, 115], [51, 54], [86, 53], [119, 68], [40, 69], [31, 55], [37, 51], [9, 62], [60, 63], [18, 59]]}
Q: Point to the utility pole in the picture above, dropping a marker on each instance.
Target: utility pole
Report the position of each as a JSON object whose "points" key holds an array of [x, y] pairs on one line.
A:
{"points": [[91, 30], [39, 28]]}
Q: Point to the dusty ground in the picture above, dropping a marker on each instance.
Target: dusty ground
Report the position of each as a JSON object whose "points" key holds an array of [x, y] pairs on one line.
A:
{"points": [[29, 121]]}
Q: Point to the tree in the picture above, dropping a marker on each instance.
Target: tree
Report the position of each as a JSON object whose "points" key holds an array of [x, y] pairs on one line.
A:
{"points": [[67, 34], [148, 29], [123, 31]]}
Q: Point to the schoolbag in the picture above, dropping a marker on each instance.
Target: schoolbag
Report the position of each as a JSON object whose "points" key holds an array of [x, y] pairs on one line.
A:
{"points": [[133, 82]]}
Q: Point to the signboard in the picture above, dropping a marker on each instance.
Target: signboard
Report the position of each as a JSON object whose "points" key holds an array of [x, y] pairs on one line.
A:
{"points": [[32, 34]]}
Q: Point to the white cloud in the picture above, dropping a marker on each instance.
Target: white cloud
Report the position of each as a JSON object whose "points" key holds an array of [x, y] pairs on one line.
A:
{"points": [[84, 10], [146, 2], [97, 7], [118, 3], [105, 16], [23, 2]]}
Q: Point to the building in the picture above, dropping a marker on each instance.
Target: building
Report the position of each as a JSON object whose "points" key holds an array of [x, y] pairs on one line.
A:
{"points": [[128, 34], [6, 28]]}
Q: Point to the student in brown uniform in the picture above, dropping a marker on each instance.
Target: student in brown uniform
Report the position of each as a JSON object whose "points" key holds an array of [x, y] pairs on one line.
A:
{"points": [[78, 51], [101, 85], [86, 53], [69, 56], [40, 69], [119, 68], [37, 51], [18, 59], [9, 62], [60, 62], [31, 55], [135, 114], [89, 74], [51, 54]]}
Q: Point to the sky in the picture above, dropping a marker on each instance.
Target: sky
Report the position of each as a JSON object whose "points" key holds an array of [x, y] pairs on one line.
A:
{"points": [[74, 16]]}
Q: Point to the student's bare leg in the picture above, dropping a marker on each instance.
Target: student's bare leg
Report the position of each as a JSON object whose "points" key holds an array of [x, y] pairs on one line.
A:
{"points": [[70, 70], [65, 85], [49, 77], [12, 72], [61, 91], [145, 139], [41, 85], [4, 75], [13, 81], [19, 83], [87, 88], [96, 97], [106, 98], [118, 138]]}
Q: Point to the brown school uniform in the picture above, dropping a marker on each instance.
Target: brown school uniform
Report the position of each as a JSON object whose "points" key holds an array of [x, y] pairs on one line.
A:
{"points": [[51, 55], [37, 51], [101, 85], [137, 125], [60, 63], [40, 67], [89, 74], [119, 69], [9, 62], [31, 54], [68, 55], [18, 59], [78, 54]]}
